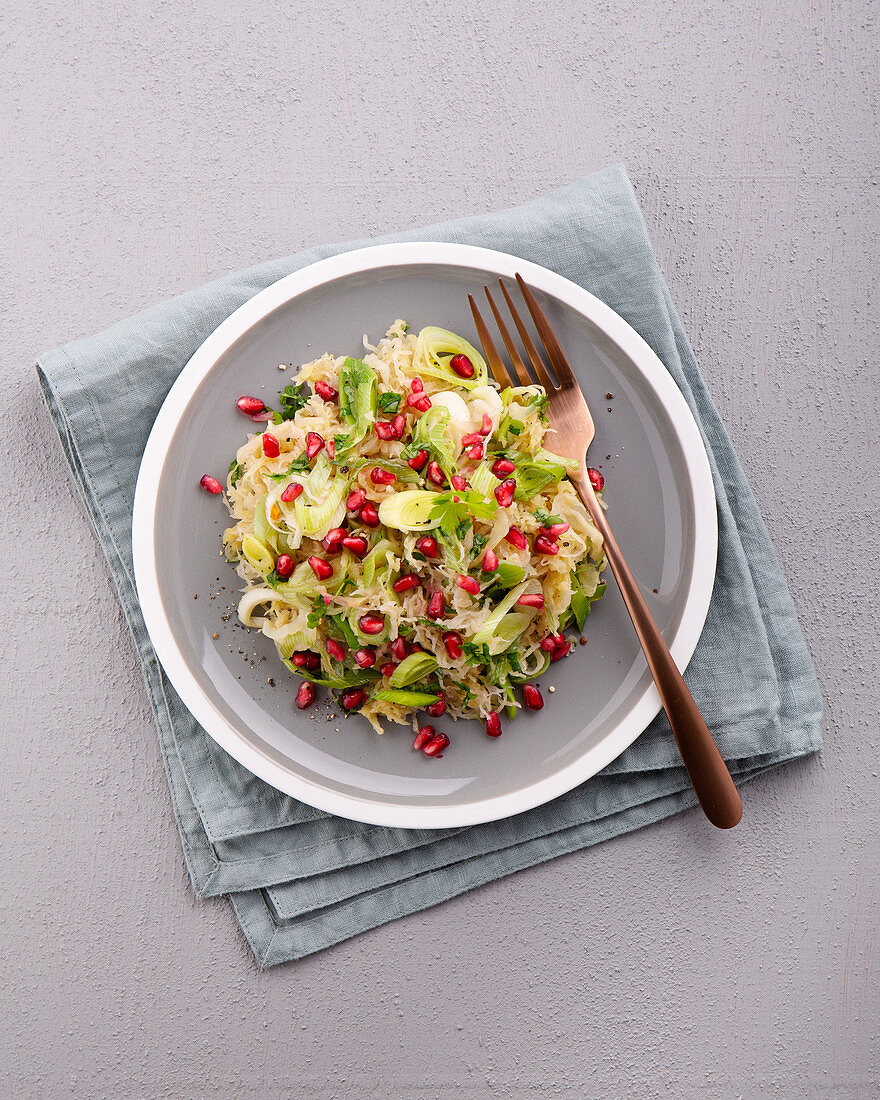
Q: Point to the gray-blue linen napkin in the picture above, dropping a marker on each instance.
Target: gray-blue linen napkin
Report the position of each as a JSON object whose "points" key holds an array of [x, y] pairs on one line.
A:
{"points": [[300, 879]]}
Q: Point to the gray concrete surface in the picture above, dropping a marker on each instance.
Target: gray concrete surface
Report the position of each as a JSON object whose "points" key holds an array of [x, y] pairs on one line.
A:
{"points": [[148, 147]]}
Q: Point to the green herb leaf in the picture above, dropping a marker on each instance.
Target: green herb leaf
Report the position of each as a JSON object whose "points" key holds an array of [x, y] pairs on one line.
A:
{"points": [[292, 399], [389, 402], [545, 519], [479, 542], [236, 469]]}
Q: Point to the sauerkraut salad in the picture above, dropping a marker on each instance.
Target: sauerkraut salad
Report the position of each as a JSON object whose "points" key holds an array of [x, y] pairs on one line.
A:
{"points": [[406, 538]]}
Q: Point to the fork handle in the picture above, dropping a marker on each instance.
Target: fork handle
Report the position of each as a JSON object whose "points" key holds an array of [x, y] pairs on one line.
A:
{"points": [[708, 773]]}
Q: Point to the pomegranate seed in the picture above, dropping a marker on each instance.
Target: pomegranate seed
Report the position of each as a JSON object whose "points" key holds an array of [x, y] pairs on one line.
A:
{"points": [[284, 565], [418, 460], [371, 623], [486, 426], [548, 644], [557, 529], [558, 639], [271, 446], [423, 404], [531, 599], [424, 736], [388, 668], [399, 425], [474, 437], [561, 651], [532, 697], [357, 544], [436, 606], [436, 745], [504, 492], [210, 484], [323, 570], [356, 500], [366, 658], [331, 448], [543, 545], [596, 479], [305, 696], [352, 698], [399, 649], [516, 538], [293, 490], [438, 708], [459, 483], [314, 444], [462, 366], [493, 724], [378, 476], [435, 474], [468, 584], [406, 583], [333, 539], [452, 642], [503, 466], [369, 517], [417, 386], [428, 546], [475, 451], [325, 391], [336, 650], [384, 430], [306, 659], [490, 562], [250, 406]]}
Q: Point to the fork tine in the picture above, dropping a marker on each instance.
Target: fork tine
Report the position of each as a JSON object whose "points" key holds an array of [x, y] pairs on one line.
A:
{"points": [[489, 350], [537, 362], [512, 350], [557, 356]]}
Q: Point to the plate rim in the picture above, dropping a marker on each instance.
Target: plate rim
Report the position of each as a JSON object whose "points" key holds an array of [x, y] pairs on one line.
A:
{"points": [[174, 407]]}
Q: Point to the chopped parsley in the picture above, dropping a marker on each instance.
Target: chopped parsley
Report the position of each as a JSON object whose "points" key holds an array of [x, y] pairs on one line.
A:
{"points": [[389, 402], [292, 399], [236, 469]]}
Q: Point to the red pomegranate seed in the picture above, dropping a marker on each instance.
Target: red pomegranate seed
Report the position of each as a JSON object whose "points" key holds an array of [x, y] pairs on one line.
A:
{"points": [[532, 697], [436, 606], [305, 696], [504, 492], [452, 642], [384, 430], [423, 737], [369, 517], [271, 446], [336, 650], [388, 668], [378, 476], [366, 658], [558, 639], [543, 545], [323, 570], [331, 448], [475, 451], [548, 644], [417, 386], [516, 538], [557, 529], [406, 583], [435, 474], [561, 651], [490, 561], [333, 539], [314, 444], [531, 599], [474, 437], [325, 391], [210, 484], [250, 406], [293, 490], [399, 649], [503, 466], [462, 366], [493, 724], [357, 544], [438, 708], [436, 745], [306, 659], [423, 404], [352, 698], [399, 425], [428, 546], [356, 500], [371, 623], [459, 483], [596, 479], [486, 426], [418, 460], [468, 584], [284, 565]]}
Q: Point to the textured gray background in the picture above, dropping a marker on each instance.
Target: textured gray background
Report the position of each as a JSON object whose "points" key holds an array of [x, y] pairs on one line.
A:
{"points": [[148, 147]]}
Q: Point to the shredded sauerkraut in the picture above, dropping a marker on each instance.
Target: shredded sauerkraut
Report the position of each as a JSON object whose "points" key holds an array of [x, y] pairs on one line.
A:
{"points": [[403, 534]]}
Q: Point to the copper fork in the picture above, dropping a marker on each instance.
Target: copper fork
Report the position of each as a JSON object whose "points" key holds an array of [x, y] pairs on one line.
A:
{"points": [[574, 431]]}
